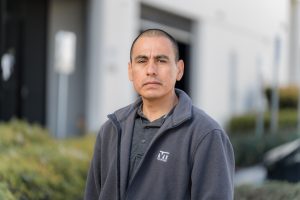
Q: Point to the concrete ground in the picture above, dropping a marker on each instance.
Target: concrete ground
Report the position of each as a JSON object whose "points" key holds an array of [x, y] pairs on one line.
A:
{"points": [[251, 175]]}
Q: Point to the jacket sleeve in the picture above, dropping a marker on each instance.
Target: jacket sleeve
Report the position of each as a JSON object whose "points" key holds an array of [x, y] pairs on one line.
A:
{"points": [[92, 189], [213, 168]]}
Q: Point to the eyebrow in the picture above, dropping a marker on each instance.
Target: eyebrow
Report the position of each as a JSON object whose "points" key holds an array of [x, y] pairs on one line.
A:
{"points": [[156, 57], [162, 56], [140, 57]]}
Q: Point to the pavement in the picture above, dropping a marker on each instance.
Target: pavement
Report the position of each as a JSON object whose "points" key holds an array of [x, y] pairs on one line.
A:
{"points": [[255, 175]]}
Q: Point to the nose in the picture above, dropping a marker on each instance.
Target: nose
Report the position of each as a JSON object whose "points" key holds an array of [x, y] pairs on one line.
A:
{"points": [[151, 69]]}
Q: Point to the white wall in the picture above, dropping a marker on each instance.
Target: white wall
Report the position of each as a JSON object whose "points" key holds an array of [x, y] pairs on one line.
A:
{"points": [[216, 73], [294, 64], [112, 27]]}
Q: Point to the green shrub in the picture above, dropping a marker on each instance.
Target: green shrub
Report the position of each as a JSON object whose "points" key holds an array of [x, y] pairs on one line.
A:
{"points": [[268, 191], [249, 149], [19, 134], [35, 166], [5, 194], [243, 124], [288, 97]]}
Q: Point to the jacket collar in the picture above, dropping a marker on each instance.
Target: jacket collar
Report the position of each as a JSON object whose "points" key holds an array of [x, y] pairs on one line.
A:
{"points": [[182, 111]]}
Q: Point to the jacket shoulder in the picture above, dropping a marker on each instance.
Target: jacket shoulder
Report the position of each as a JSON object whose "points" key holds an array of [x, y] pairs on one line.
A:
{"points": [[204, 122]]}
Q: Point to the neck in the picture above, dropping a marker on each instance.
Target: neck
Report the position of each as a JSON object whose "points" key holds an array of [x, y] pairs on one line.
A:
{"points": [[155, 108]]}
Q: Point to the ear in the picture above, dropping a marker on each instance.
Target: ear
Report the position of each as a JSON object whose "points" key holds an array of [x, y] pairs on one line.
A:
{"points": [[129, 71], [180, 70]]}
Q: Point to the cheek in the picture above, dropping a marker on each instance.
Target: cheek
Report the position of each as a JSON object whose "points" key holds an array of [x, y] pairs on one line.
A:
{"points": [[173, 74], [136, 79]]}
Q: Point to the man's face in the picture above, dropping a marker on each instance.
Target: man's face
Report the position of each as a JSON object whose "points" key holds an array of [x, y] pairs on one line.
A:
{"points": [[153, 68]]}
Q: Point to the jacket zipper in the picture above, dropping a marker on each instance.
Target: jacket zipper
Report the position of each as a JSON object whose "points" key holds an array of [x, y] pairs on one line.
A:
{"points": [[116, 124]]}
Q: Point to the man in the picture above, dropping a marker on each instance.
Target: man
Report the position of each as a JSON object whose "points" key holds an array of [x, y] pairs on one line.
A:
{"points": [[161, 147]]}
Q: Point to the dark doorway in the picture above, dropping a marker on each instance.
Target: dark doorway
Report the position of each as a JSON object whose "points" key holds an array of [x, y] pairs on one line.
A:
{"points": [[23, 42], [184, 54]]}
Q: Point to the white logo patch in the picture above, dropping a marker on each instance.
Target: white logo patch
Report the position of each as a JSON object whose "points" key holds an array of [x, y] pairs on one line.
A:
{"points": [[163, 156]]}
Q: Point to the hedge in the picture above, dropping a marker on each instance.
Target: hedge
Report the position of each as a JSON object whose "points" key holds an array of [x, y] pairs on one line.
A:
{"points": [[268, 191], [35, 166], [246, 123], [5, 194], [288, 96]]}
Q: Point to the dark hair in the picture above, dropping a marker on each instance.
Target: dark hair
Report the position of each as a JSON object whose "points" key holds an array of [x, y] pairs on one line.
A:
{"points": [[154, 33]]}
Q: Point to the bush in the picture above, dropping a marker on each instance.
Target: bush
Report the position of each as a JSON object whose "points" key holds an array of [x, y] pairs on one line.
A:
{"points": [[35, 166], [288, 97], [18, 134], [5, 194], [268, 191], [249, 149], [243, 124]]}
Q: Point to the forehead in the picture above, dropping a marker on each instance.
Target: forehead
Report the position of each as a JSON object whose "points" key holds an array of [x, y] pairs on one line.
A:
{"points": [[153, 44]]}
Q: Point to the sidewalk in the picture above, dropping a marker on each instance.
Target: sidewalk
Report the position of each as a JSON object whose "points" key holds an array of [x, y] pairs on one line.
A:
{"points": [[251, 175]]}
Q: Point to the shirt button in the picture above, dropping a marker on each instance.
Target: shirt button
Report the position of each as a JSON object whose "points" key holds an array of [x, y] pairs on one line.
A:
{"points": [[143, 141]]}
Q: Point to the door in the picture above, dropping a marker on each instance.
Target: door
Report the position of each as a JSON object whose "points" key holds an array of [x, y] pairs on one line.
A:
{"points": [[23, 63]]}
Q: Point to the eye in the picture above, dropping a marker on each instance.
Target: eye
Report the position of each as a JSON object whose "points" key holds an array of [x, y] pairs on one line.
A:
{"points": [[162, 60], [141, 60]]}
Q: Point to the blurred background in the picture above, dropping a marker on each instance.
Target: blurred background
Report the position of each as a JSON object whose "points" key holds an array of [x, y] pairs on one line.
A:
{"points": [[64, 68]]}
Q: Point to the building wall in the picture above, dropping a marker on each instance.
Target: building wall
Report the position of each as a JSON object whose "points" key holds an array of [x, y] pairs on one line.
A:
{"points": [[294, 64], [112, 26]]}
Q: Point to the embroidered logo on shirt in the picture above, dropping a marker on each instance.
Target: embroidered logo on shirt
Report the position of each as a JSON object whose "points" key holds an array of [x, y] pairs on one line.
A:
{"points": [[163, 156]]}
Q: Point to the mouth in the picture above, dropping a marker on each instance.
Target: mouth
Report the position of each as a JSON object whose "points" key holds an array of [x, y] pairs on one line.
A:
{"points": [[152, 83]]}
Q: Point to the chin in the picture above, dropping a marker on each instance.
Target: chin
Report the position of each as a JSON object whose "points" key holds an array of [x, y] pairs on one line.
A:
{"points": [[151, 95]]}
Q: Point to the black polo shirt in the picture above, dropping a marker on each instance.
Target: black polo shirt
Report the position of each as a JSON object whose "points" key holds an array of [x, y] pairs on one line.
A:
{"points": [[143, 133]]}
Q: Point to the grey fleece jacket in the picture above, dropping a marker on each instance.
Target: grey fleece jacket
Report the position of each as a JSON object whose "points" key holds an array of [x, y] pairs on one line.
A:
{"points": [[189, 158]]}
